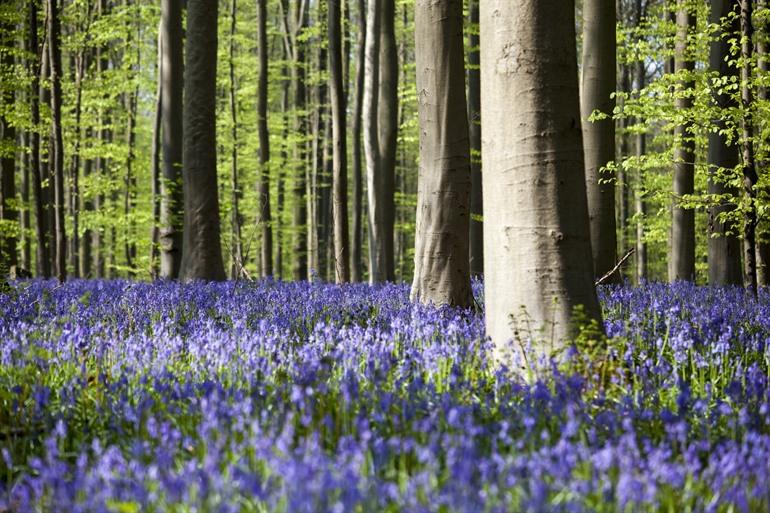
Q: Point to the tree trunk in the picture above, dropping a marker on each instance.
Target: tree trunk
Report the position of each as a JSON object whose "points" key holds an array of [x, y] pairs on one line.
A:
{"points": [[682, 265], [537, 246], [356, 250], [640, 207], [8, 211], [340, 148], [763, 94], [749, 167], [474, 117], [201, 253], [441, 264], [156, 187], [236, 247], [599, 80], [172, 85], [54, 29], [78, 69], [42, 254], [724, 253], [265, 217], [300, 271]]}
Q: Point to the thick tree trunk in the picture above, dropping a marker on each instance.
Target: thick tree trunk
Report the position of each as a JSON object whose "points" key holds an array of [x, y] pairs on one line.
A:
{"points": [[682, 263], [8, 211], [724, 246], [356, 250], [54, 30], [265, 218], [388, 134], [537, 246], [763, 95], [172, 85], [474, 118], [749, 167], [201, 253], [441, 264], [340, 147], [599, 80], [236, 246]]}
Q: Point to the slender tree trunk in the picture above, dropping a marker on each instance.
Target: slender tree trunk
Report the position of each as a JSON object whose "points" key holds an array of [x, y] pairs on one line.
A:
{"points": [[265, 217], [599, 79], [340, 148], [236, 247], [441, 264], [172, 84], [763, 94], [749, 167], [537, 246], [640, 207], [300, 214], [356, 250], [74, 203], [623, 178], [156, 187], [474, 117], [26, 249], [8, 211], [54, 29], [724, 253], [201, 253]]}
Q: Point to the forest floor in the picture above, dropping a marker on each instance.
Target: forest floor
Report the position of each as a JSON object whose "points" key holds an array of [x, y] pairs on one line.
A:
{"points": [[295, 397]]}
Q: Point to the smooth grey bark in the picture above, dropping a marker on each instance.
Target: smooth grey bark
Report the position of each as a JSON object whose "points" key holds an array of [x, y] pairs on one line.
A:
{"points": [[682, 262], [54, 34], [537, 248], [380, 129], [172, 87], [201, 249], [441, 264], [8, 210], [724, 246], [236, 245], [474, 119], [265, 218], [599, 80], [339, 144], [750, 177], [356, 249]]}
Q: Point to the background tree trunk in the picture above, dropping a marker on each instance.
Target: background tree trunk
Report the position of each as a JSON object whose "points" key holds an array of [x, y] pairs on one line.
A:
{"points": [[265, 218], [640, 208], [763, 94], [599, 80], [340, 147], [57, 152], [537, 247], [474, 118], [300, 250], [682, 265], [236, 246], [155, 173], [724, 246], [201, 253], [749, 167], [441, 264], [8, 211], [172, 85]]}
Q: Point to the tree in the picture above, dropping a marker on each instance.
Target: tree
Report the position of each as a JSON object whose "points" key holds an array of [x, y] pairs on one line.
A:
{"points": [[172, 129], [599, 80], [236, 245], [750, 177], [339, 134], [54, 48], [441, 264], [356, 250], [8, 211], [724, 253], [265, 219], [201, 250], [682, 263], [474, 118], [537, 248]]}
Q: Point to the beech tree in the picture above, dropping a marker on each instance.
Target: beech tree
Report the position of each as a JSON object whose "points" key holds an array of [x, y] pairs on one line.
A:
{"points": [[537, 249], [201, 248], [8, 212], [441, 264], [599, 81], [265, 218], [474, 120], [172, 129], [56, 153]]}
